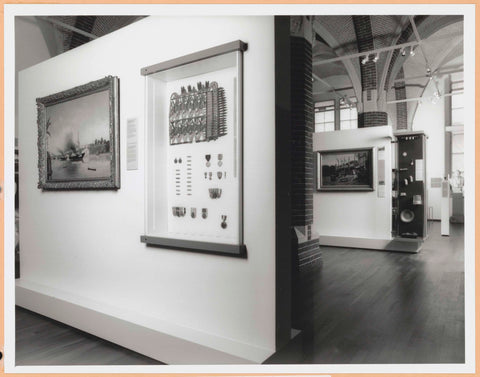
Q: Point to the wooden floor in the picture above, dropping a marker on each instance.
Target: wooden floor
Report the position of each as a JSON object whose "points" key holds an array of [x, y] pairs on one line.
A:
{"points": [[43, 341], [361, 307], [382, 307]]}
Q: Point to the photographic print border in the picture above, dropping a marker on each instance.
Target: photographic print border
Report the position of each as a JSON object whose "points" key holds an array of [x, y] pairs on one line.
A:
{"points": [[110, 83], [385, 369], [322, 187]]}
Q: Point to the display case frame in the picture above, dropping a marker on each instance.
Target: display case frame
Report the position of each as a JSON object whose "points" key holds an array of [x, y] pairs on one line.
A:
{"points": [[194, 152]]}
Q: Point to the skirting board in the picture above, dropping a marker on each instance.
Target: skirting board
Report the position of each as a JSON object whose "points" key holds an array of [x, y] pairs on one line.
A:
{"points": [[162, 341], [400, 245]]}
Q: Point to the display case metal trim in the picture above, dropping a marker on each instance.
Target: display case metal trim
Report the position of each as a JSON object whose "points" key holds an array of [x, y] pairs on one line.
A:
{"points": [[239, 251], [196, 56]]}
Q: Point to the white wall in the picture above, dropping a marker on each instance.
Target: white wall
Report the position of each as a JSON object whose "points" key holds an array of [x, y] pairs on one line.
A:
{"points": [[33, 49], [430, 118], [355, 214], [87, 243]]}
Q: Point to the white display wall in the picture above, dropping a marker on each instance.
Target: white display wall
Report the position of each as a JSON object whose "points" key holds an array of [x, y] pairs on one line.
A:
{"points": [[430, 118], [84, 247], [359, 215]]}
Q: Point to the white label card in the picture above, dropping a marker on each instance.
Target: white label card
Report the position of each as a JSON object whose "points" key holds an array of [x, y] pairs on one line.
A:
{"points": [[132, 144], [419, 170]]}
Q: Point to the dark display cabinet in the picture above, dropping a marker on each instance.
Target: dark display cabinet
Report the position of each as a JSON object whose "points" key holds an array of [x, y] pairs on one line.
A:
{"points": [[409, 216]]}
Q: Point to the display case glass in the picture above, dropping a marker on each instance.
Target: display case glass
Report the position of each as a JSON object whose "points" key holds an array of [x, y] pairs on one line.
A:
{"points": [[194, 152]]}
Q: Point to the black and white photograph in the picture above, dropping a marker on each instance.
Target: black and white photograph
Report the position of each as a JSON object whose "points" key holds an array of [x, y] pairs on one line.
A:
{"points": [[345, 170], [297, 189]]}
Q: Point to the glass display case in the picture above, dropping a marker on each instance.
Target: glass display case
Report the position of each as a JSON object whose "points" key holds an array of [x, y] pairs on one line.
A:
{"points": [[194, 152]]}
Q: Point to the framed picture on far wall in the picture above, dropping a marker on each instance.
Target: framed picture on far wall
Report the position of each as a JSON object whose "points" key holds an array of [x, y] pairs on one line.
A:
{"points": [[78, 137], [345, 170]]}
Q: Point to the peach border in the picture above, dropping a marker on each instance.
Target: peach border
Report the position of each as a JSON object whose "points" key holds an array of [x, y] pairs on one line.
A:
{"points": [[306, 2]]}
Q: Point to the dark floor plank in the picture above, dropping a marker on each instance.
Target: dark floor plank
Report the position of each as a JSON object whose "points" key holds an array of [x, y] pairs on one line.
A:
{"points": [[43, 341], [365, 306]]}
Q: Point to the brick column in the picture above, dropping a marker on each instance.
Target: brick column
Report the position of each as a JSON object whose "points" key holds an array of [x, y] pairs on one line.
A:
{"points": [[302, 128], [369, 113], [401, 93], [305, 244]]}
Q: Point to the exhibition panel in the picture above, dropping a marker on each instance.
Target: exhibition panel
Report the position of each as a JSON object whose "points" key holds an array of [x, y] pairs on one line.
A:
{"points": [[81, 247], [356, 190]]}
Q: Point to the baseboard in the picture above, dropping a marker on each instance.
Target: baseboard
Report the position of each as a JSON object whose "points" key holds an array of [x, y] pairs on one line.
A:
{"points": [[166, 342], [354, 242]]}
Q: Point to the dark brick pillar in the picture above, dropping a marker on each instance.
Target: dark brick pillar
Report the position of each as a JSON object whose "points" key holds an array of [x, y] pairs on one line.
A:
{"points": [[370, 115], [400, 94], [306, 254], [372, 119], [302, 129]]}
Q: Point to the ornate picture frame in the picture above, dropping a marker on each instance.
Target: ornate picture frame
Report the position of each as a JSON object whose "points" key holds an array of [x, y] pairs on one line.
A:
{"points": [[78, 137]]}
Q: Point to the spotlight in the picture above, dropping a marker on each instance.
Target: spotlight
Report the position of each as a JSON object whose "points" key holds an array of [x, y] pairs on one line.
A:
{"points": [[365, 60], [429, 71], [377, 56], [412, 52], [342, 101], [436, 94], [403, 52]]}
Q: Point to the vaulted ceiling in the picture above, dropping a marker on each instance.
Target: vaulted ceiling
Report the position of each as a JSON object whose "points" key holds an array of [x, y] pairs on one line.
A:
{"points": [[436, 41], [63, 33]]}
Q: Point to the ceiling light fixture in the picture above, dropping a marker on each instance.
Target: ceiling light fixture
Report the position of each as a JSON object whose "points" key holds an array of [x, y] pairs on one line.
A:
{"points": [[377, 56], [365, 60], [412, 52], [403, 52]]}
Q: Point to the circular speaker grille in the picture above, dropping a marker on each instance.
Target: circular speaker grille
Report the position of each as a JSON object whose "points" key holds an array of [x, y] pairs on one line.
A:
{"points": [[407, 216]]}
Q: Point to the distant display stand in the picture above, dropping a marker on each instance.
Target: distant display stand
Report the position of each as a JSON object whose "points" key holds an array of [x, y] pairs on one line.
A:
{"points": [[409, 203], [194, 150]]}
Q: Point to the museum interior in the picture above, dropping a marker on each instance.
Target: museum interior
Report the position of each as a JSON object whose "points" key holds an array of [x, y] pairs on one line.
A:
{"points": [[330, 225]]}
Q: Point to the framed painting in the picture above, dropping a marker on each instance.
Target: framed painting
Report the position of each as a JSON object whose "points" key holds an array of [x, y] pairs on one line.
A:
{"points": [[78, 137], [345, 170]]}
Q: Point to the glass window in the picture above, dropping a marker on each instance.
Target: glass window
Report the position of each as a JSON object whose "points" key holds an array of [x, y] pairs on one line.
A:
{"points": [[457, 151], [325, 116], [349, 114], [457, 107]]}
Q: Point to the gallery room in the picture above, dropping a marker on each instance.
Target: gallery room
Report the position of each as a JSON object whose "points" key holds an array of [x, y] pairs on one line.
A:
{"points": [[238, 188]]}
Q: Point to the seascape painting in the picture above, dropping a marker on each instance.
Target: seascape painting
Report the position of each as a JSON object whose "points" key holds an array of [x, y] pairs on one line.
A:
{"points": [[78, 137]]}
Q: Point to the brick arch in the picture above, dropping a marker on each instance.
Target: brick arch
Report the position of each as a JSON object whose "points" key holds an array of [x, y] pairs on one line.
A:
{"points": [[363, 31], [401, 122], [334, 44], [369, 114], [426, 26]]}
